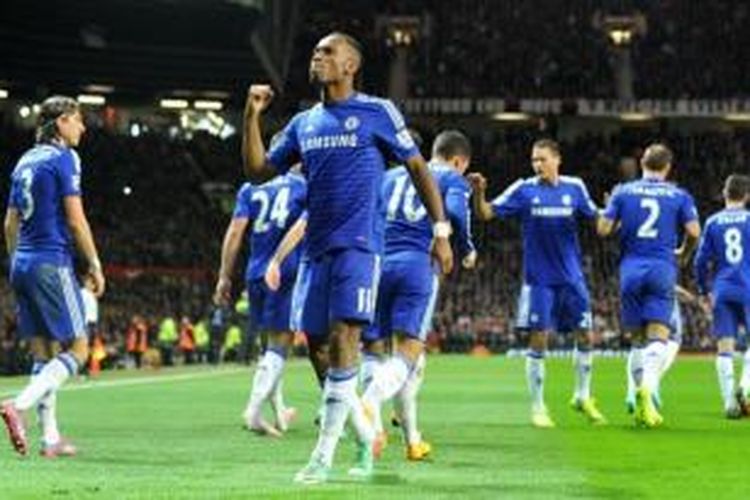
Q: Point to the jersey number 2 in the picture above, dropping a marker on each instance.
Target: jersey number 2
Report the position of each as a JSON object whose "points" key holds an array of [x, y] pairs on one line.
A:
{"points": [[647, 229]]}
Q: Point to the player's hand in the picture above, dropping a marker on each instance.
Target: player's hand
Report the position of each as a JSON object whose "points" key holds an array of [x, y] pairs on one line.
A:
{"points": [[478, 182], [273, 275], [98, 282], [258, 98], [470, 260], [706, 302], [223, 292], [443, 254]]}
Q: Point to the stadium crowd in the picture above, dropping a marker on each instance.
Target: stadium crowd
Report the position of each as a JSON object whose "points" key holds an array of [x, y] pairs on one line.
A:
{"points": [[550, 49], [161, 243]]}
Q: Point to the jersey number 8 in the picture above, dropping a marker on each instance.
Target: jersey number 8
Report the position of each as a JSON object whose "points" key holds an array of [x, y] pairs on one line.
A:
{"points": [[733, 241]]}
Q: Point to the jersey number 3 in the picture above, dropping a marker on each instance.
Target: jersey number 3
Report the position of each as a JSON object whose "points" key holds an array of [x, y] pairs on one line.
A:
{"points": [[26, 179]]}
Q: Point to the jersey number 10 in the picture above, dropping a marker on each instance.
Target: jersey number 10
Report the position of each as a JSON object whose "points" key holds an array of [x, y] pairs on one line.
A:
{"points": [[405, 199]]}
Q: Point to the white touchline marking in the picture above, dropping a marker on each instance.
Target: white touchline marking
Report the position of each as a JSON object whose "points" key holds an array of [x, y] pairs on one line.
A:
{"points": [[101, 384]]}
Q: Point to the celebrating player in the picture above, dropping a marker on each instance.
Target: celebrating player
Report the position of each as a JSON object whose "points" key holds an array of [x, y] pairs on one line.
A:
{"points": [[555, 296], [273, 207], [409, 285], [343, 143], [45, 214], [650, 212], [726, 244]]}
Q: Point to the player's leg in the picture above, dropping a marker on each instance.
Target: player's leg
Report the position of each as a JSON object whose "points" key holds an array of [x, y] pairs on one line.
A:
{"points": [[409, 294], [373, 356], [630, 304], [727, 317], [347, 281], [675, 339], [573, 314], [267, 376], [541, 302], [406, 409], [56, 309], [279, 316], [406, 305]]}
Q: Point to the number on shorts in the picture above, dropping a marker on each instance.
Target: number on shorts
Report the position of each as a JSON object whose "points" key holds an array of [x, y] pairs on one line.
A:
{"points": [[405, 198], [733, 240], [647, 229], [365, 300]]}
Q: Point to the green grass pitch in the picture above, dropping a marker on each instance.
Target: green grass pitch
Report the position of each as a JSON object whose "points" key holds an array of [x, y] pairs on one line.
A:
{"points": [[177, 434]]}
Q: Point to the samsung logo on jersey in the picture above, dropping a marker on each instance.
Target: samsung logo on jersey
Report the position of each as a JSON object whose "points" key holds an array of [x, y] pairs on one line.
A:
{"points": [[552, 211], [329, 142], [653, 191]]}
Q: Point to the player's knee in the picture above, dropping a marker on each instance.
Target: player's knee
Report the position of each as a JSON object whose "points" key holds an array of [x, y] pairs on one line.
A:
{"points": [[39, 349], [656, 330], [410, 348], [374, 347], [585, 339], [538, 341], [280, 340], [80, 349], [725, 345]]}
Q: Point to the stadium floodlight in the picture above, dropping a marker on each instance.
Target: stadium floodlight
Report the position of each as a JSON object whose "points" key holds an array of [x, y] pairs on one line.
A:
{"points": [[3, 94], [91, 99], [207, 105], [636, 117], [511, 116], [173, 103], [99, 89], [24, 111], [737, 117]]}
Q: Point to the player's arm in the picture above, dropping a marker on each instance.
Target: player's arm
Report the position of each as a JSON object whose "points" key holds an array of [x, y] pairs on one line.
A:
{"points": [[288, 243], [457, 206], [608, 219], [430, 197], [684, 295], [256, 165], [10, 227], [702, 261], [482, 208], [229, 250], [689, 243], [84, 240], [692, 230]]}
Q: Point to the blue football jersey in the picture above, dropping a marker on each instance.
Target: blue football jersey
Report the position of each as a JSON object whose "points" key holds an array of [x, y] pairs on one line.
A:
{"points": [[273, 207], [549, 216], [43, 176], [651, 214], [725, 243], [344, 147], [407, 225]]}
